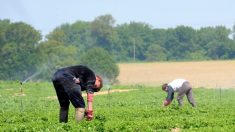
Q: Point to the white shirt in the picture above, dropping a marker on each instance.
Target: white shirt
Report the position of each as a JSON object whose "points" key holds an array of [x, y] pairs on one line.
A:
{"points": [[176, 84]]}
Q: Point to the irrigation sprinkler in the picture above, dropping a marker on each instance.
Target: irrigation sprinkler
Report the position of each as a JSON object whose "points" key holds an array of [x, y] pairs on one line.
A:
{"points": [[31, 77], [109, 88], [27, 79], [21, 94], [21, 87]]}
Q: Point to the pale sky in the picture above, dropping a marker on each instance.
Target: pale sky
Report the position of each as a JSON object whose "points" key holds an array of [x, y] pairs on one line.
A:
{"points": [[45, 15]]}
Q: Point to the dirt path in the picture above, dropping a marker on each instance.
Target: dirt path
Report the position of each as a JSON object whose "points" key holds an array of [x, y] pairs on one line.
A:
{"points": [[99, 93], [110, 91], [175, 130]]}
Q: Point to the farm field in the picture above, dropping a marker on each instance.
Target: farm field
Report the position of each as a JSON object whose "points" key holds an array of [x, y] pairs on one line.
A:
{"points": [[209, 74], [137, 110]]}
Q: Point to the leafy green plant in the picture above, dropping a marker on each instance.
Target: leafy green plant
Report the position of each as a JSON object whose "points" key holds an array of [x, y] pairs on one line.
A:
{"points": [[137, 110]]}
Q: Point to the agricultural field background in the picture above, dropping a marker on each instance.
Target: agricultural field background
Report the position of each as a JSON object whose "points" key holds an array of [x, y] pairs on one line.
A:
{"points": [[209, 74], [33, 106]]}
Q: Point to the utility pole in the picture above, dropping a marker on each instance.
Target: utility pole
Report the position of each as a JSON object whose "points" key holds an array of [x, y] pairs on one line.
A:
{"points": [[134, 50]]}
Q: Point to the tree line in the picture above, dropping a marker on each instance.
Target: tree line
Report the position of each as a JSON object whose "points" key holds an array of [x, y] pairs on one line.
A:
{"points": [[24, 51]]}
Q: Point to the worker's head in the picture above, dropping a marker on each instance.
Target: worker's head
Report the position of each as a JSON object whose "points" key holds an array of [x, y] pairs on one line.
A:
{"points": [[164, 87], [98, 84]]}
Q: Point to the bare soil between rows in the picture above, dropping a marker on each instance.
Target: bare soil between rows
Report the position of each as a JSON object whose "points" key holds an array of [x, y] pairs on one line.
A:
{"points": [[100, 93]]}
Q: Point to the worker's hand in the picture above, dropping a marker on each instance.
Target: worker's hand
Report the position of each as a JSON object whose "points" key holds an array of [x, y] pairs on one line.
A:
{"points": [[76, 80], [89, 115], [166, 102]]}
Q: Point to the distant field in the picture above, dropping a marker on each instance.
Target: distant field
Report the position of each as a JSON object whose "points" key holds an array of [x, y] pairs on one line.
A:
{"points": [[212, 74]]}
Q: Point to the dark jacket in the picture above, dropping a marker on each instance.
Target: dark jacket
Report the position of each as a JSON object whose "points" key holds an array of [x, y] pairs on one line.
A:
{"points": [[86, 76]]}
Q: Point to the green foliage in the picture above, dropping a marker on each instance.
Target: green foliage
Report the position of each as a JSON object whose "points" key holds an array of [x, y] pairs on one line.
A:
{"points": [[137, 110], [181, 43], [136, 36], [55, 55], [4, 24], [197, 55], [102, 63], [155, 53], [23, 52], [19, 53], [102, 31]]}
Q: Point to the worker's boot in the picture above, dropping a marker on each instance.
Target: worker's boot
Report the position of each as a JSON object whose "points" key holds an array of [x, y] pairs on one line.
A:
{"points": [[64, 114], [79, 114]]}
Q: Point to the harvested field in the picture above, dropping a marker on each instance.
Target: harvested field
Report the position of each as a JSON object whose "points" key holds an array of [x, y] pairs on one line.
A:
{"points": [[211, 74]]}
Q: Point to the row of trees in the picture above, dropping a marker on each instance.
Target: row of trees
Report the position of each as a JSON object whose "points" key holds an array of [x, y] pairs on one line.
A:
{"points": [[142, 42], [24, 56], [24, 52]]}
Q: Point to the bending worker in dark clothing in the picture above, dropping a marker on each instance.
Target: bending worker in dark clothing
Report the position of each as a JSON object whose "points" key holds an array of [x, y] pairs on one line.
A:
{"points": [[69, 83], [183, 88]]}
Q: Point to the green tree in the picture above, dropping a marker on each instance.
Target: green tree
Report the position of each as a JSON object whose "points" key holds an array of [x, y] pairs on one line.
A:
{"points": [[171, 45], [55, 55], [155, 53], [215, 41], [136, 36], [58, 35], [159, 36], [23, 34], [102, 63], [180, 42], [233, 32], [197, 55], [102, 29], [81, 35], [4, 24], [19, 52]]}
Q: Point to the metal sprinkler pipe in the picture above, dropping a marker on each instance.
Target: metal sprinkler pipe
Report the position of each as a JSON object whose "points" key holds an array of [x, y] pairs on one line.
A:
{"points": [[21, 93], [109, 96], [21, 88]]}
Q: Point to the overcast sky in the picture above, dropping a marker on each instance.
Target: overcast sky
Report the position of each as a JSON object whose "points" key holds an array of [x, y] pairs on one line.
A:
{"points": [[45, 15]]}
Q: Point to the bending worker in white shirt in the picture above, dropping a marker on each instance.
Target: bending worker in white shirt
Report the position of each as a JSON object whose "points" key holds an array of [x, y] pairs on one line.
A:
{"points": [[183, 88]]}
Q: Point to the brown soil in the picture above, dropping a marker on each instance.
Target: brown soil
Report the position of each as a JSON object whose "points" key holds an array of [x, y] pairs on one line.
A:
{"points": [[175, 130], [109, 91], [210, 74], [98, 93], [20, 94]]}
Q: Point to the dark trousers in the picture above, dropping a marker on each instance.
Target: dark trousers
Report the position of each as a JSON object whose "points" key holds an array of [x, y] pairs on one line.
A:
{"points": [[186, 89], [67, 91]]}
